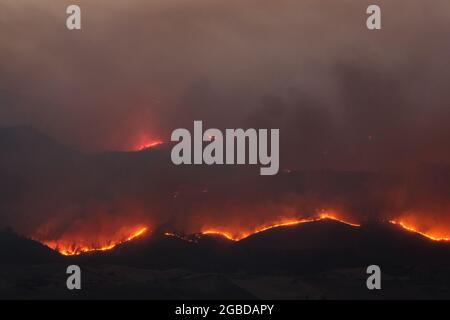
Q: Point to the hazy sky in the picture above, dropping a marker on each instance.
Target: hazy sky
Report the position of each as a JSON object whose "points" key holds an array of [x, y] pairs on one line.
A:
{"points": [[342, 96]]}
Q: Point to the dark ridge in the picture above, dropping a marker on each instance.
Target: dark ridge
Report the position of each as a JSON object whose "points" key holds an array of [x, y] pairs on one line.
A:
{"points": [[15, 249], [297, 249]]}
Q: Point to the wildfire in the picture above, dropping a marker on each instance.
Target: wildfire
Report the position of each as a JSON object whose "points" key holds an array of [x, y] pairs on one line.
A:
{"points": [[283, 223], [143, 141], [147, 145], [415, 230], [180, 236], [76, 249], [71, 250], [223, 234], [330, 216]]}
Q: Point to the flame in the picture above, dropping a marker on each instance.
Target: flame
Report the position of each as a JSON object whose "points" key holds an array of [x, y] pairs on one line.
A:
{"points": [[223, 234], [71, 250], [143, 141], [180, 236], [330, 216], [283, 223], [415, 230], [147, 145]]}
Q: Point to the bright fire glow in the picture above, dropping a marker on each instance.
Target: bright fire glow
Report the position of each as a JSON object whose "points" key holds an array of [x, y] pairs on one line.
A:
{"points": [[180, 236], [147, 145], [414, 229], [76, 249], [143, 141], [283, 223], [71, 250], [223, 234]]}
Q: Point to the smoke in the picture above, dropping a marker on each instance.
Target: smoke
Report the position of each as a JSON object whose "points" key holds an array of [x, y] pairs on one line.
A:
{"points": [[339, 93], [343, 97], [68, 196]]}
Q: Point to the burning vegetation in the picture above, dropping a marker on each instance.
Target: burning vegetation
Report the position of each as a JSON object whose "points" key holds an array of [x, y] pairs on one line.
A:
{"points": [[236, 236], [144, 142], [411, 228], [68, 247], [147, 145]]}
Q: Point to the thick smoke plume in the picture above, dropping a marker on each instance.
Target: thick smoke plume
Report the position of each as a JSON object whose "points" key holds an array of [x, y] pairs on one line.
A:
{"points": [[363, 116]]}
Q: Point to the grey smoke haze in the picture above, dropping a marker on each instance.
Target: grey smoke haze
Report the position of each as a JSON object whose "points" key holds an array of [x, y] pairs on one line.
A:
{"points": [[343, 97]]}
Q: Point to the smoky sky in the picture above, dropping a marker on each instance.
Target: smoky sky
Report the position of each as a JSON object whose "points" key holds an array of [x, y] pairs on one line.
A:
{"points": [[343, 96]]}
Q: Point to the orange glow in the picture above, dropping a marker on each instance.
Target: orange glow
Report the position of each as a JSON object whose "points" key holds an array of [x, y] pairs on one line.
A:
{"points": [[415, 230], [180, 236], [221, 233], [283, 223], [74, 249], [329, 216], [147, 145], [143, 141]]}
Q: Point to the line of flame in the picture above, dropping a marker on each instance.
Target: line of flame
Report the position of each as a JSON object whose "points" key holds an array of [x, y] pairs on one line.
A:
{"points": [[324, 216], [412, 229], [228, 235], [148, 145], [80, 250]]}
